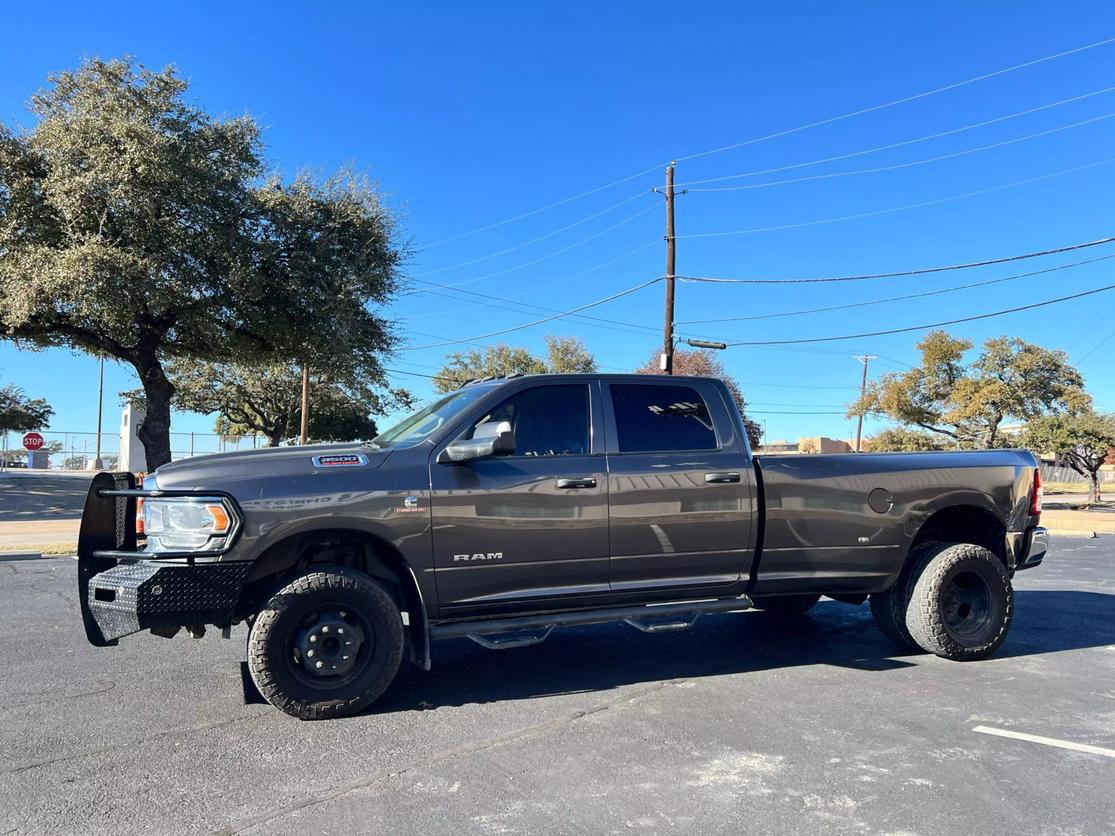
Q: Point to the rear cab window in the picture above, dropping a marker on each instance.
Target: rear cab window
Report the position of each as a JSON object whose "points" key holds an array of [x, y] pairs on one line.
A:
{"points": [[654, 418]]}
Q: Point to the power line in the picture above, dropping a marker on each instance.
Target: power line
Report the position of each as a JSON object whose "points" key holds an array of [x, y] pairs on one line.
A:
{"points": [[891, 146], [545, 208], [772, 412], [895, 102], [920, 272], [893, 209], [908, 164], [540, 321], [540, 259], [1101, 344], [456, 287], [1003, 312], [868, 303], [786, 132]]}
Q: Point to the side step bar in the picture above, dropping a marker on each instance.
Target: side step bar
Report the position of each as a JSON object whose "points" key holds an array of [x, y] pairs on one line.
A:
{"points": [[520, 631]]}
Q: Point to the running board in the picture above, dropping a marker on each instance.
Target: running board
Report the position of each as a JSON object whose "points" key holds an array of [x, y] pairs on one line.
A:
{"points": [[520, 631]]}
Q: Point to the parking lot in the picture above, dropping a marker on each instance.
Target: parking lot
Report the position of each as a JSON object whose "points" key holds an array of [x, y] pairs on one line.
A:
{"points": [[733, 725]]}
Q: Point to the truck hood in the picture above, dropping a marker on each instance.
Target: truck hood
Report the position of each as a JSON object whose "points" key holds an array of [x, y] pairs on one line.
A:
{"points": [[215, 471]]}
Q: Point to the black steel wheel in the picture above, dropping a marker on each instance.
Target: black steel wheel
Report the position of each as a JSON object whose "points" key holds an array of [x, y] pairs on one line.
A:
{"points": [[961, 603], [326, 645]]}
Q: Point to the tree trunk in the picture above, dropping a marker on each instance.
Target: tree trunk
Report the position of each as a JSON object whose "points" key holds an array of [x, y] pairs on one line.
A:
{"points": [[275, 435], [1094, 488], [154, 432]]}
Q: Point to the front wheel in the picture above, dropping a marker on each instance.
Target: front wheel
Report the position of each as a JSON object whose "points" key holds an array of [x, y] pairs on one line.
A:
{"points": [[326, 645], [961, 603]]}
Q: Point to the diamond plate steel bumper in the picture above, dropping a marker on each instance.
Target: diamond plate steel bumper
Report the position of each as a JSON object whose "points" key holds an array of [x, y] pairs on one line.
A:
{"points": [[148, 594], [122, 593]]}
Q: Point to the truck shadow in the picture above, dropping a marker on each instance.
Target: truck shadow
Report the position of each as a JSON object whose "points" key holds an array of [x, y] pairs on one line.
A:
{"points": [[599, 658]]}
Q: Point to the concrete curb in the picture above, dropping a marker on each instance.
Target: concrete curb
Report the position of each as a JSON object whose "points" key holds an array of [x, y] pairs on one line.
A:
{"points": [[6, 556], [1072, 532]]}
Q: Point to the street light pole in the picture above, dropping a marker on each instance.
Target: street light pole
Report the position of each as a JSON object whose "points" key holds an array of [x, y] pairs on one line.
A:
{"points": [[304, 435], [97, 463]]}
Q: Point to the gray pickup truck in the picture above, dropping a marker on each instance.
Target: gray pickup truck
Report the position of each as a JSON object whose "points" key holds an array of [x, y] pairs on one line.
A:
{"points": [[518, 505]]}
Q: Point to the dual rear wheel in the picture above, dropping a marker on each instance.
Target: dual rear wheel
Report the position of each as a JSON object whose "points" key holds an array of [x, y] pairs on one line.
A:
{"points": [[954, 600]]}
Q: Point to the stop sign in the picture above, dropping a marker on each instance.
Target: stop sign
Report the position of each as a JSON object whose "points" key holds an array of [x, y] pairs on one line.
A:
{"points": [[32, 441]]}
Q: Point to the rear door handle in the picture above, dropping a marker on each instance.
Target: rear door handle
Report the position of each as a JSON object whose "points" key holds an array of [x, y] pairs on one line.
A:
{"points": [[587, 482], [721, 478]]}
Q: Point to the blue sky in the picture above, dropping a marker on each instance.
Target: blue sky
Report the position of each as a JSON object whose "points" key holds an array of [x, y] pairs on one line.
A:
{"points": [[469, 114]]}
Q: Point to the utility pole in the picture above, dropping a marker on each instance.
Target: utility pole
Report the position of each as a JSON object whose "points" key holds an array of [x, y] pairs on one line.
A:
{"points": [[667, 361], [305, 404], [865, 359], [97, 463]]}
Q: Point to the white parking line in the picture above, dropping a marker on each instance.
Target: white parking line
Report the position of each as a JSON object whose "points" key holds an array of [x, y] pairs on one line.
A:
{"points": [[1047, 741]]}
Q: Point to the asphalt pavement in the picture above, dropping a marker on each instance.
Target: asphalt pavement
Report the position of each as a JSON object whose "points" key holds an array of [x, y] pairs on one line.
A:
{"points": [[731, 726]]}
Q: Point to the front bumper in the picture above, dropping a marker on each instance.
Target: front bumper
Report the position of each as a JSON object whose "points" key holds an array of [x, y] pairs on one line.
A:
{"points": [[1035, 545], [122, 592]]}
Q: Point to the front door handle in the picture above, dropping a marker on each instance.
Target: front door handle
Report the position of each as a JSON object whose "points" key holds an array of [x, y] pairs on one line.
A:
{"points": [[721, 478], [587, 482]]}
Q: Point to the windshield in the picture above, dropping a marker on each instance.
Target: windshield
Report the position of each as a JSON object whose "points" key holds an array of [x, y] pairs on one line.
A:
{"points": [[425, 422]]}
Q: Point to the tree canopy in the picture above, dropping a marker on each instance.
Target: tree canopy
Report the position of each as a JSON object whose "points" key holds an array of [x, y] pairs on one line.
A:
{"points": [[136, 225], [1083, 442], [903, 440], [968, 402], [704, 363], [20, 413], [267, 399], [564, 355]]}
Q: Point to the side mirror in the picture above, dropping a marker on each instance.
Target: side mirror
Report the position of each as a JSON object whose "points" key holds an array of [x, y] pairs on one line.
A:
{"points": [[490, 439]]}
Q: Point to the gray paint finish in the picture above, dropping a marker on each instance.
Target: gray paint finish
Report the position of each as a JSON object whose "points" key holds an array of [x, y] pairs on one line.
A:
{"points": [[651, 528]]}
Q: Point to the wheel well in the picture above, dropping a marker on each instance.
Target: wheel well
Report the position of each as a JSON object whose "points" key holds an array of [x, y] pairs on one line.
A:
{"points": [[965, 524], [340, 547]]}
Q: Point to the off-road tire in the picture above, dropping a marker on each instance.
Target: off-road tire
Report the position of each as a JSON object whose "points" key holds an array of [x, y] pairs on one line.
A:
{"points": [[961, 603], [889, 608], [786, 606], [279, 677]]}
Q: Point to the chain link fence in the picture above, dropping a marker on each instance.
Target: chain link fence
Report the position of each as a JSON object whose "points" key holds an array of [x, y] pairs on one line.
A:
{"points": [[1052, 473], [77, 451]]}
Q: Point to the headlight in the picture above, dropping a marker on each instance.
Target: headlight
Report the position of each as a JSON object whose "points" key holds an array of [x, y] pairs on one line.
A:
{"points": [[186, 523]]}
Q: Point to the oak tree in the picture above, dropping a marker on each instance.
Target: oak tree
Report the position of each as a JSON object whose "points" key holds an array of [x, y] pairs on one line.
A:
{"points": [[969, 401], [1084, 441], [136, 225], [564, 355]]}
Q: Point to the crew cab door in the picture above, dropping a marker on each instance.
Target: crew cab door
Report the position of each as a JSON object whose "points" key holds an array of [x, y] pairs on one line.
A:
{"points": [[682, 506], [533, 524]]}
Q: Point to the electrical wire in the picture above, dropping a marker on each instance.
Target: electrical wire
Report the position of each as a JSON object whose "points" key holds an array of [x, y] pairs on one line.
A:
{"points": [[547, 207], [862, 111], [909, 164], [456, 287], [893, 209], [944, 290], [540, 238], [919, 272], [1003, 312], [786, 132], [539, 321], [891, 146], [1101, 344]]}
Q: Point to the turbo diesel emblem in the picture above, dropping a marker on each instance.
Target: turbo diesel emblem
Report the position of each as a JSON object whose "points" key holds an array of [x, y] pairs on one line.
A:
{"points": [[479, 556]]}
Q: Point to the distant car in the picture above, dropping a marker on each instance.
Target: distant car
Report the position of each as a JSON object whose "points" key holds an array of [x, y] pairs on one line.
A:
{"points": [[16, 463]]}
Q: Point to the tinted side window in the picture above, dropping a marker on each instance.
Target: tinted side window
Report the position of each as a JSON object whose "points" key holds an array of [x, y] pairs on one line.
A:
{"points": [[547, 420], [656, 418]]}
